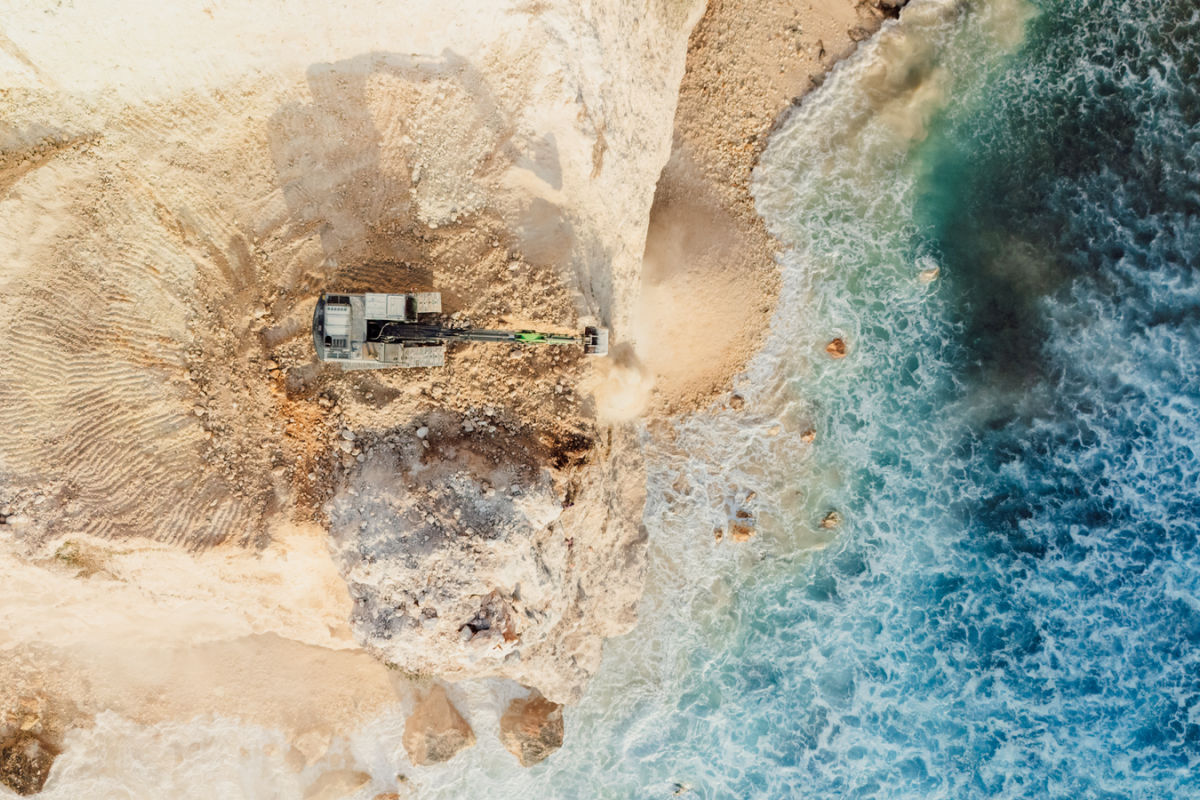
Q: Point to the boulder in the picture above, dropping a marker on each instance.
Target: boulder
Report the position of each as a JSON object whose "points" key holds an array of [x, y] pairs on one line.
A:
{"points": [[435, 731], [25, 762], [532, 728]]}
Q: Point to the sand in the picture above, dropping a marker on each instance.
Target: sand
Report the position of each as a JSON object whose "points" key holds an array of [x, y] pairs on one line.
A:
{"points": [[174, 456]]}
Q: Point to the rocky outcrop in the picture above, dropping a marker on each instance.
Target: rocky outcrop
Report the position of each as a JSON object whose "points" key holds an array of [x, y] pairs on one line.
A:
{"points": [[435, 731], [532, 728], [476, 554], [25, 762]]}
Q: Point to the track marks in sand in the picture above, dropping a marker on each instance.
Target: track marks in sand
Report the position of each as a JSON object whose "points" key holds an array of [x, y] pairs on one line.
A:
{"points": [[100, 305]]}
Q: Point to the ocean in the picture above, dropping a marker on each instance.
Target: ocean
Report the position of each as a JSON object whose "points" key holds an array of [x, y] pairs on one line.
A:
{"points": [[1010, 607]]}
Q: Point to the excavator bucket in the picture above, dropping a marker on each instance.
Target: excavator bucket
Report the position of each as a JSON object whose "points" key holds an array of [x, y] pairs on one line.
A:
{"points": [[595, 341]]}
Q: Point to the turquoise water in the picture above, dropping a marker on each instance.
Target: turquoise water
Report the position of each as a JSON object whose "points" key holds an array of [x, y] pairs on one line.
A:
{"points": [[1011, 608]]}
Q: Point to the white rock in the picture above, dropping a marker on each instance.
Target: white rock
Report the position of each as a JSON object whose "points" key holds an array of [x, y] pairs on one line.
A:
{"points": [[422, 432], [348, 435]]}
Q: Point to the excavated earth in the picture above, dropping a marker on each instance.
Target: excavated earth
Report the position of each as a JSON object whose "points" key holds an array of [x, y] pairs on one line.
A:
{"points": [[161, 252]]}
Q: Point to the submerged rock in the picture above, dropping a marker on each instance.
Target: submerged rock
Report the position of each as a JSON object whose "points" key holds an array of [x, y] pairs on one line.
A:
{"points": [[740, 532], [831, 520], [435, 731], [836, 348], [532, 728], [25, 762]]}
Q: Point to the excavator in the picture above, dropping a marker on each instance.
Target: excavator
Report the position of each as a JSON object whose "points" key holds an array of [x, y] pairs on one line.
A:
{"points": [[377, 331]]}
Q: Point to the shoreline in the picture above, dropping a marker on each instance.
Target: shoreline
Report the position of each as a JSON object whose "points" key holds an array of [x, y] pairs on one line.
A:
{"points": [[707, 249]]}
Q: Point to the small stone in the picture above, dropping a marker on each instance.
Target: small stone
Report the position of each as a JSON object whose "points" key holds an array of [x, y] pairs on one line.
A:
{"points": [[346, 446], [513, 266], [468, 427], [348, 435], [272, 364], [809, 436], [836, 348], [17, 521], [737, 402], [831, 520], [422, 432], [718, 534]]}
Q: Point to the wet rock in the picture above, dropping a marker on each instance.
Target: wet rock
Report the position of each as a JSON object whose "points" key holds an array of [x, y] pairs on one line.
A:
{"points": [[836, 348], [809, 436], [25, 762], [831, 520], [890, 8], [532, 728], [435, 731], [928, 275], [737, 402], [741, 532]]}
